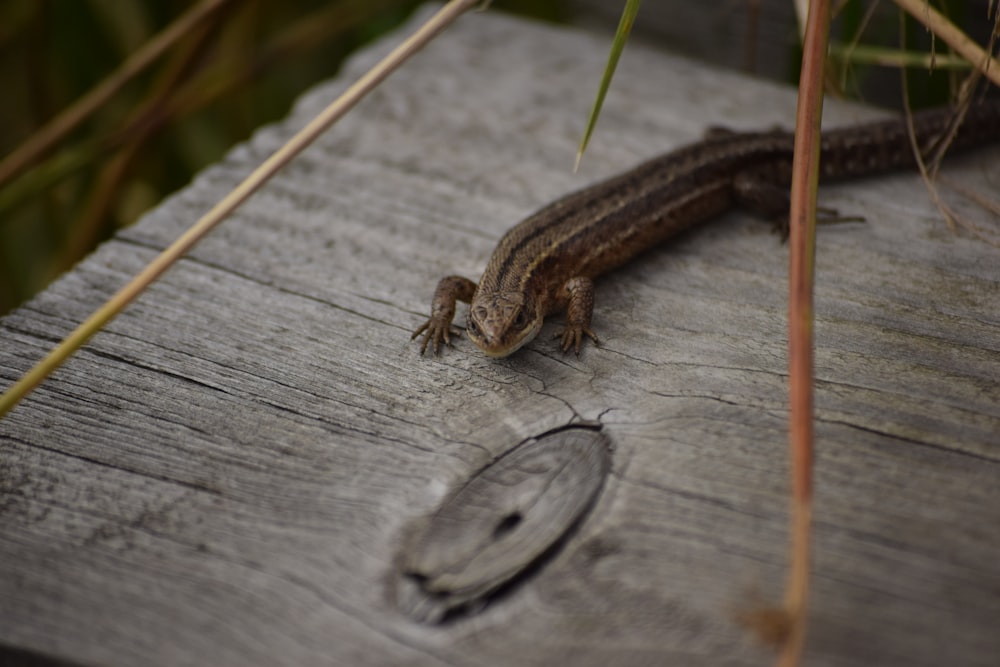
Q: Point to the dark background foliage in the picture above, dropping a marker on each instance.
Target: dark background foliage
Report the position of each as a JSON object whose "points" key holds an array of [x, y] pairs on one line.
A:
{"points": [[245, 66], [241, 69]]}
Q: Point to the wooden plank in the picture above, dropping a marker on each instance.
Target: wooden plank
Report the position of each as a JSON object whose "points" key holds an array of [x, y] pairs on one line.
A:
{"points": [[228, 473]]}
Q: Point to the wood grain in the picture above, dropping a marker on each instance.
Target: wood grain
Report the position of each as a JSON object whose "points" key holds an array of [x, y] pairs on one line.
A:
{"points": [[226, 474], [499, 527]]}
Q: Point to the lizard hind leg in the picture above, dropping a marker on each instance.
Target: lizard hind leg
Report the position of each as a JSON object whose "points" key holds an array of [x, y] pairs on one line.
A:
{"points": [[770, 200]]}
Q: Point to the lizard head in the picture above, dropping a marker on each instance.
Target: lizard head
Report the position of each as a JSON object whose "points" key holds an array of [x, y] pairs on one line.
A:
{"points": [[501, 323]]}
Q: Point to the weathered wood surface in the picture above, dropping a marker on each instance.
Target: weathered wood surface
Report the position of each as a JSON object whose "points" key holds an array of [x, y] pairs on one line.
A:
{"points": [[226, 475]]}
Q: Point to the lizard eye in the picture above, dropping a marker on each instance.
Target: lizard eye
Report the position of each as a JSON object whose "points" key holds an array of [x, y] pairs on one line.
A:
{"points": [[520, 320], [472, 328]]}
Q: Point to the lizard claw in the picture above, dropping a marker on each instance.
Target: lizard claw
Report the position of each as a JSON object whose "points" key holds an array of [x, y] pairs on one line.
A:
{"points": [[572, 337], [434, 331], [438, 325]]}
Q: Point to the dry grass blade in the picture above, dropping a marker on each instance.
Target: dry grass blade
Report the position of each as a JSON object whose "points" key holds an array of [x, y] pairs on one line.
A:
{"points": [[441, 20], [993, 206], [953, 36], [802, 246], [929, 171]]}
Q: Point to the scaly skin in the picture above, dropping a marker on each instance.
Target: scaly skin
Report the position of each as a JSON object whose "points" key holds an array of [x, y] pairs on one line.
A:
{"points": [[548, 262]]}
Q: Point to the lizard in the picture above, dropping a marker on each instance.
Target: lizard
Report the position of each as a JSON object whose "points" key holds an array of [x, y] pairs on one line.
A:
{"points": [[548, 262]]}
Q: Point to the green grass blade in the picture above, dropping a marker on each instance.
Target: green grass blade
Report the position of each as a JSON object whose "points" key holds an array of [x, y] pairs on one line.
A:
{"points": [[617, 46]]}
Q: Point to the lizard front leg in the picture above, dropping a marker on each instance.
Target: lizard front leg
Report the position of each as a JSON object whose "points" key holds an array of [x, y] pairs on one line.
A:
{"points": [[578, 294], [438, 326]]}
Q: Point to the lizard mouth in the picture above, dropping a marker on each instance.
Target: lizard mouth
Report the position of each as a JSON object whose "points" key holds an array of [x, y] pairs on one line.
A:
{"points": [[498, 346]]}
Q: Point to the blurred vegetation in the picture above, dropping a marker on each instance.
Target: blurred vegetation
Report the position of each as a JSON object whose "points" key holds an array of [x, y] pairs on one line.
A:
{"points": [[875, 45], [239, 67]]}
